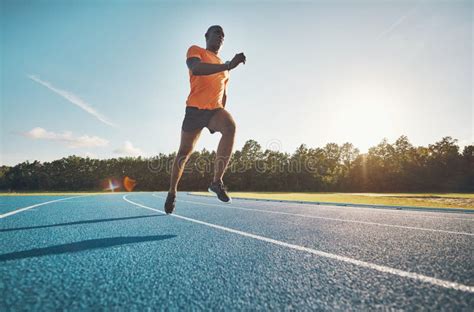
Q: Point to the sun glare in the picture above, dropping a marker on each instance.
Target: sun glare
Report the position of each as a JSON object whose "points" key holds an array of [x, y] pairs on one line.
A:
{"points": [[365, 113]]}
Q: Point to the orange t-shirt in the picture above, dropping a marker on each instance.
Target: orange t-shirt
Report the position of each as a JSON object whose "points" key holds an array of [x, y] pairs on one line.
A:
{"points": [[206, 91]]}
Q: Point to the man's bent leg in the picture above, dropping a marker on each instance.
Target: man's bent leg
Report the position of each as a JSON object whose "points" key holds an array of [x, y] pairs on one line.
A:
{"points": [[188, 141], [223, 122]]}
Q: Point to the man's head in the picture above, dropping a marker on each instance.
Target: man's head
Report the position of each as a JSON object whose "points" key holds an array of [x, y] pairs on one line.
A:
{"points": [[214, 38]]}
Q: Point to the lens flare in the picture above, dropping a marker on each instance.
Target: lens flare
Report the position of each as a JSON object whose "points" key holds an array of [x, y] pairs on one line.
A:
{"points": [[110, 185], [129, 184]]}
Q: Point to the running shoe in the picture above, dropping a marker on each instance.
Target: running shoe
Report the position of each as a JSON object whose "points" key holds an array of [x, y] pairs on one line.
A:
{"points": [[219, 189], [170, 203]]}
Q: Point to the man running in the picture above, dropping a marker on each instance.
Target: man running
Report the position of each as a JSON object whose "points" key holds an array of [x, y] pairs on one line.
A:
{"points": [[208, 76]]}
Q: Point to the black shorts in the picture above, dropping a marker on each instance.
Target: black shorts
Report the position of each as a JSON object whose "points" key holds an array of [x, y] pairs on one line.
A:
{"points": [[196, 118]]}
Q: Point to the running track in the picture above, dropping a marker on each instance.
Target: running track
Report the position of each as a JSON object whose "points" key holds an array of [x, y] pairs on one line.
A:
{"points": [[121, 252]]}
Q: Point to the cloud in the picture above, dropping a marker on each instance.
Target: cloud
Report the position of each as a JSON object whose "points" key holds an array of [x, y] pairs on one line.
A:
{"points": [[397, 23], [128, 149], [66, 137], [74, 99]]}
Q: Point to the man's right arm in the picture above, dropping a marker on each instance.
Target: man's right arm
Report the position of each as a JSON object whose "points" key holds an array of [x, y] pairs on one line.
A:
{"points": [[201, 69]]}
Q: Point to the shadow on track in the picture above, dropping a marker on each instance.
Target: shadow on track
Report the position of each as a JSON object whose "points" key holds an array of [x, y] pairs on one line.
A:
{"points": [[77, 222], [82, 246]]}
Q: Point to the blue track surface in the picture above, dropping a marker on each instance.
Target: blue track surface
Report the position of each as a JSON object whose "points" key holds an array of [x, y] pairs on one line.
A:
{"points": [[104, 251]]}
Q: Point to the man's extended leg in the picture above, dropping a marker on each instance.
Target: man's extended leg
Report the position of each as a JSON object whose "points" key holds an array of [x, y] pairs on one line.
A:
{"points": [[188, 141], [222, 122]]}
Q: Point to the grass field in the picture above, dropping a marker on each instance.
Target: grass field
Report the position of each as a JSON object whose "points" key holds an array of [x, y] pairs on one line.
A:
{"points": [[428, 200]]}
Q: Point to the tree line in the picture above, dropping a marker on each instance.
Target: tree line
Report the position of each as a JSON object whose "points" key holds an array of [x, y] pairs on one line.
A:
{"points": [[397, 167]]}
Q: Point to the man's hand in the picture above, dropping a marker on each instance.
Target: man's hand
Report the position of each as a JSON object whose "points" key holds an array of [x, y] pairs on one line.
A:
{"points": [[238, 58]]}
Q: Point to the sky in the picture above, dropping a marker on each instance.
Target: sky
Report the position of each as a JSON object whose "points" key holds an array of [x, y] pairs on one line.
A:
{"points": [[108, 78]]}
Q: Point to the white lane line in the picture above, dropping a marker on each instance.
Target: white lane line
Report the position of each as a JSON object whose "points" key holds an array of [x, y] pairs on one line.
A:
{"points": [[323, 218], [37, 205], [368, 265], [392, 211]]}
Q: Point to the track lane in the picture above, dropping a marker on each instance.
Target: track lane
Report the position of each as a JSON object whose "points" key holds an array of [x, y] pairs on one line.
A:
{"points": [[437, 254], [314, 216], [373, 266]]}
